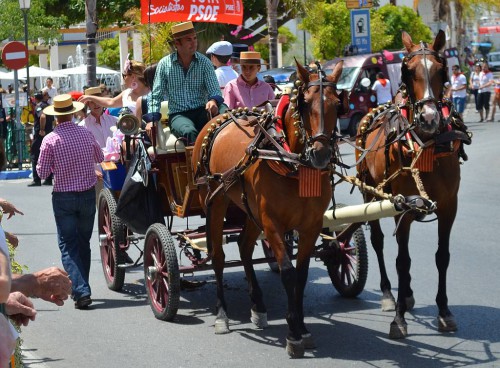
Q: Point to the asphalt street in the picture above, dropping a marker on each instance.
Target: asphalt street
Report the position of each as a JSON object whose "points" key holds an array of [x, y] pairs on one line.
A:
{"points": [[121, 331]]}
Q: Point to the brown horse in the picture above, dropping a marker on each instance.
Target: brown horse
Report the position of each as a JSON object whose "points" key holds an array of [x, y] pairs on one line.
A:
{"points": [[412, 147], [230, 167]]}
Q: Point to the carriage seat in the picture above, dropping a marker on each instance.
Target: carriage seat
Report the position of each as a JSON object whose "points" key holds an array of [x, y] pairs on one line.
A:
{"points": [[166, 142]]}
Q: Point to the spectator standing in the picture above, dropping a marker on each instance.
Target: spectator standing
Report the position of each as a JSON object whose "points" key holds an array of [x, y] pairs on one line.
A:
{"points": [[219, 54], [98, 123], [42, 127], [496, 99], [382, 89], [484, 91], [474, 84], [458, 90], [70, 152], [247, 90], [50, 89], [186, 79]]}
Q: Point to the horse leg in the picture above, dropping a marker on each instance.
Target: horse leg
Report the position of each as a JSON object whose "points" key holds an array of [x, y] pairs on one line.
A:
{"points": [[215, 223], [246, 244], [446, 320], [306, 247], [288, 275], [399, 327], [377, 239]]}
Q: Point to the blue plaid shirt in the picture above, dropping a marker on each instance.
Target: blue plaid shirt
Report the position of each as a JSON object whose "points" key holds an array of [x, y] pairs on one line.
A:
{"points": [[184, 90]]}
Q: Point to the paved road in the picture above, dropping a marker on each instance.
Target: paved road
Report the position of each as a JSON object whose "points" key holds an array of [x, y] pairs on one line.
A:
{"points": [[120, 330]]}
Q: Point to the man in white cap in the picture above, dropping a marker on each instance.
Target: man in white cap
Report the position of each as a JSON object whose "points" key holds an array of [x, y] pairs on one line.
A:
{"points": [[220, 53], [70, 152], [186, 79]]}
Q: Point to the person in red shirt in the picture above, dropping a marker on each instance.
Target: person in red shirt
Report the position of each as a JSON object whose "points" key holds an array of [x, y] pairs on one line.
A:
{"points": [[70, 153]]}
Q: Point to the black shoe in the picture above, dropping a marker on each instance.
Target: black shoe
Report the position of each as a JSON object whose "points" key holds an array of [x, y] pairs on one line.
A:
{"points": [[34, 184], [47, 182], [83, 302]]}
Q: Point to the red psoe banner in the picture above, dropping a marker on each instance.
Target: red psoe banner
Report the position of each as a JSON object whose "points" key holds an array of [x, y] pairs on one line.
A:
{"points": [[211, 11]]}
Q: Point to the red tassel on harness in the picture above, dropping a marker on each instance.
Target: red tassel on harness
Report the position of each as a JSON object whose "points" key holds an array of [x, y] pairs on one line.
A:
{"points": [[309, 182]]}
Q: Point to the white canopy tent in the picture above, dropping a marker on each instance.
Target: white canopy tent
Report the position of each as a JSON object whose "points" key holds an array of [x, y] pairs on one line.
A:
{"points": [[77, 78], [82, 69]]}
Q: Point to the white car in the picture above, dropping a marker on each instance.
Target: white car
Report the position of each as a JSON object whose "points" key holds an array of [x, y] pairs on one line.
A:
{"points": [[494, 61]]}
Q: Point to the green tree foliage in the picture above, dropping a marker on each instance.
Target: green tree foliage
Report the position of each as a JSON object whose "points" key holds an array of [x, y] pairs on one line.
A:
{"points": [[402, 18], [110, 53], [329, 26]]}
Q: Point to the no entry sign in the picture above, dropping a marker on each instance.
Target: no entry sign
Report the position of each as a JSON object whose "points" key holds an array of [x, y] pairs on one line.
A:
{"points": [[15, 55]]}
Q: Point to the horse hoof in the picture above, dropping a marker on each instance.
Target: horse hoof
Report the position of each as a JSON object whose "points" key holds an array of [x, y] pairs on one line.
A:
{"points": [[388, 304], [447, 324], [259, 319], [308, 341], [295, 349], [410, 303], [398, 331], [221, 326]]}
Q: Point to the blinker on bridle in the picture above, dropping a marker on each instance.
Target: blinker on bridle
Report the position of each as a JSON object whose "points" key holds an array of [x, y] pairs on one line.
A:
{"points": [[322, 83]]}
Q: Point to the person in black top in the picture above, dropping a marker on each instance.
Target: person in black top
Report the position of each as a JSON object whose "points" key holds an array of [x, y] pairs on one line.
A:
{"points": [[43, 126]]}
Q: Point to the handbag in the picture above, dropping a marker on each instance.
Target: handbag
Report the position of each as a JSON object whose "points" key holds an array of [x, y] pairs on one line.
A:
{"points": [[138, 205]]}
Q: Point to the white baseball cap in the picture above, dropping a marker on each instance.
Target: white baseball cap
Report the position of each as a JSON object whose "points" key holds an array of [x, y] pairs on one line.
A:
{"points": [[221, 48]]}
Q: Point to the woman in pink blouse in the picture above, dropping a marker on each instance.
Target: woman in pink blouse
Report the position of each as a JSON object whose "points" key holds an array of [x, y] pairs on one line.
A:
{"points": [[247, 90]]}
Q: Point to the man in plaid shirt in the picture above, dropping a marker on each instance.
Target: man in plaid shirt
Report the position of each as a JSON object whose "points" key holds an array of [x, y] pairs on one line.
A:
{"points": [[70, 153], [187, 80]]}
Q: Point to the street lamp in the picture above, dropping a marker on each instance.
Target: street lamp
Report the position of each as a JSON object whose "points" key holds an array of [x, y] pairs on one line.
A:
{"points": [[25, 5]]}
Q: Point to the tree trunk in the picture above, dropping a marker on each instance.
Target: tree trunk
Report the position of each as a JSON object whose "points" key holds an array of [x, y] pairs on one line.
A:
{"points": [[272, 25], [91, 23]]}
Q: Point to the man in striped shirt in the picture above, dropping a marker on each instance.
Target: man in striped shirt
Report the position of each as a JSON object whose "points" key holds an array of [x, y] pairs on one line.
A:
{"points": [[70, 153], [187, 80]]}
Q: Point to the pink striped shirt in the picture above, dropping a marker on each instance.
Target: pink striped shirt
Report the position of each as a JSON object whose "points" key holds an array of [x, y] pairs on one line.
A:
{"points": [[70, 153]]}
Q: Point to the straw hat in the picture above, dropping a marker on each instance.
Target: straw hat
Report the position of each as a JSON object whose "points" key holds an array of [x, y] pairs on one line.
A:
{"points": [[63, 105], [250, 58], [92, 91], [182, 29]]}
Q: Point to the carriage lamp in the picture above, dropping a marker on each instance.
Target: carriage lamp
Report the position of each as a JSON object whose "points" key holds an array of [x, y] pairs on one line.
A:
{"points": [[25, 5]]}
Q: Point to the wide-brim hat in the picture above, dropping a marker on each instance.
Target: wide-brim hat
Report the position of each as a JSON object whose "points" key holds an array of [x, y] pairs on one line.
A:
{"points": [[182, 30], [63, 105], [93, 91], [250, 58]]}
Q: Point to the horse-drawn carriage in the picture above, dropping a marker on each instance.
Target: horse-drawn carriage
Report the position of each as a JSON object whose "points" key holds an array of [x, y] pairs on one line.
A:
{"points": [[256, 175]]}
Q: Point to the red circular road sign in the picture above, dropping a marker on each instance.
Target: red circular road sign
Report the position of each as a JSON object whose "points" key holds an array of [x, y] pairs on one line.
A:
{"points": [[15, 55]]}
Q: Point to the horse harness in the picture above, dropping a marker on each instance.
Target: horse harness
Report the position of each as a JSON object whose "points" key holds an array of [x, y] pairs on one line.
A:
{"points": [[268, 144], [400, 120]]}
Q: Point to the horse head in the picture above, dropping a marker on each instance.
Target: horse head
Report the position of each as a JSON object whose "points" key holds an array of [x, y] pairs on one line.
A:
{"points": [[315, 115], [424, 74]]}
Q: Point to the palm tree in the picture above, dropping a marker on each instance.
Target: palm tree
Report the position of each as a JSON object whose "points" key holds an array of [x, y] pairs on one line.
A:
{"points": [[91, 23]]}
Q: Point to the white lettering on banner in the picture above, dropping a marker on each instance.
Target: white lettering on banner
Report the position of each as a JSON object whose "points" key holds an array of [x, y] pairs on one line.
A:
{"points": [[207, 1], [170, 7], [202, 12]]}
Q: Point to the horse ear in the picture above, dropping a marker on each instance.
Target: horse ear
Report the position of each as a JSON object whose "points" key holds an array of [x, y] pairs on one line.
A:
{"points": [[337, 71], [407, 41], [439, 41], [302, 72]]}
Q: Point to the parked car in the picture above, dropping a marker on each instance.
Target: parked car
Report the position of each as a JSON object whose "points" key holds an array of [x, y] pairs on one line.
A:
{"points": [[494, 61], [284, 77], [356, 68]]}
